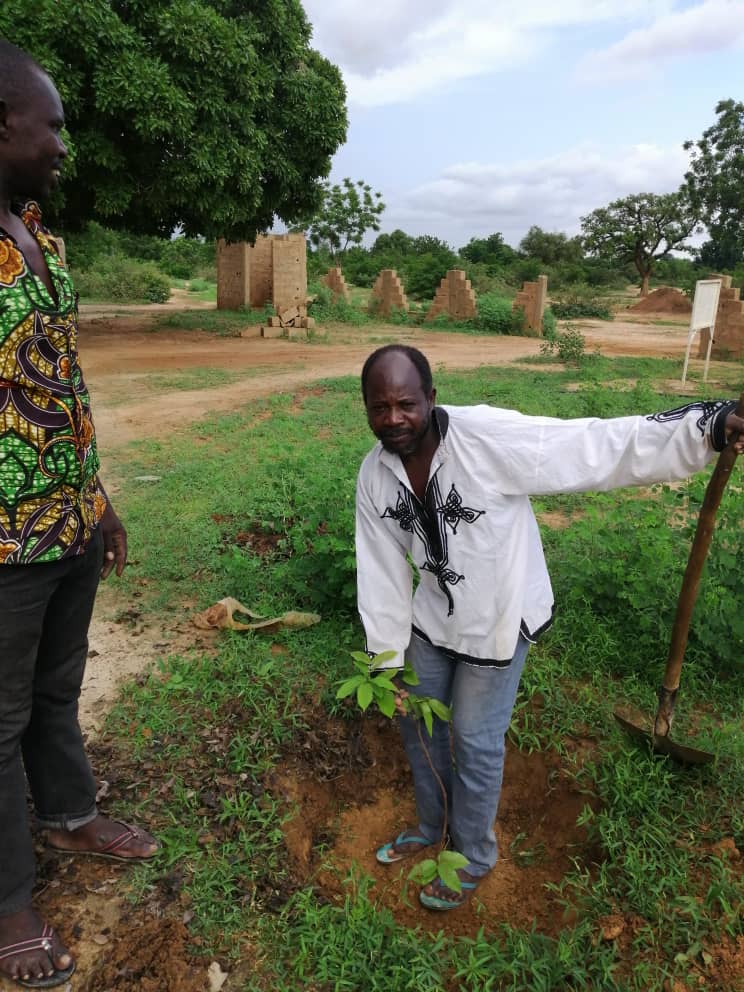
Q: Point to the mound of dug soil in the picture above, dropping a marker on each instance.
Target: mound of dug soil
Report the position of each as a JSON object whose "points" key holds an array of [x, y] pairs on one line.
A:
{"points": [[663, 300]]}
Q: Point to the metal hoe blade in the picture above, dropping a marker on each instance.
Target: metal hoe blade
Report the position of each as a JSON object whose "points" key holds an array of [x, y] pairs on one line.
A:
{"points": [[665, 745]]}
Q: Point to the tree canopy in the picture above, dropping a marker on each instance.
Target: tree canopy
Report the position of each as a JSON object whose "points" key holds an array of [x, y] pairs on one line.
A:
{"points": [[639, 229], [211, 115], [550, 247], [715, 184], [347, 211], [492, 251]]}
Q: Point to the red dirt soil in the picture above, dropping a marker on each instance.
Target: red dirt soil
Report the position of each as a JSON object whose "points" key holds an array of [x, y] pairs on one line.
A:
{"points": [[663, 300]]}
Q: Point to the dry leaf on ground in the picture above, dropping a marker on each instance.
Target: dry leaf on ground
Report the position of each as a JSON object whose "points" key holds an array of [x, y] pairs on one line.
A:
{"points": [[220, 617]]}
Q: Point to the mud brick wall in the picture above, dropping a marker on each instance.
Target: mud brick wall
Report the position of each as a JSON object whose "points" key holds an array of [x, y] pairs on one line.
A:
{"points": [[289, 256], [728, 335], [233, 275], [387, 294], [261, 266], [272, 270], [532, 298], [334, 280], [455, 297]]}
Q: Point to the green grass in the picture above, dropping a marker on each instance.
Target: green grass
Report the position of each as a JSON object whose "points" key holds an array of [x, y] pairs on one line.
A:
{"points": [[225, 323], [203, 289], [202, 734]]}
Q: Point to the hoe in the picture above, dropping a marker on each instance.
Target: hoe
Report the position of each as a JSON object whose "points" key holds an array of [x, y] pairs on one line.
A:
{"points": [[659, 739]]}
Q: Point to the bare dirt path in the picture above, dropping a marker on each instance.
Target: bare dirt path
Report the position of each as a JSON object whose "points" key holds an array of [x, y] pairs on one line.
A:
{"points": [[122, 354]]}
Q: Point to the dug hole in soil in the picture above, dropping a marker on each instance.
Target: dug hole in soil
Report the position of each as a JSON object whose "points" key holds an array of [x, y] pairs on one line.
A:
{"points": [[351, 787]]}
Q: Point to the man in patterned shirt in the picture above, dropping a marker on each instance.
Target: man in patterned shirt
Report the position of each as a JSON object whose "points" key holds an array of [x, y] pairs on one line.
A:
{"points": [[58, 535]]}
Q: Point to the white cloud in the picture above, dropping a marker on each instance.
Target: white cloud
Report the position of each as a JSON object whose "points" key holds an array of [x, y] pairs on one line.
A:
{"points": [[715, 25], [473, 199], [392, 51]]}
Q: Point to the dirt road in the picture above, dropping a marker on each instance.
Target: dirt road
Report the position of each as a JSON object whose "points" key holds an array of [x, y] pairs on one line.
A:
{"points": [[121, 354]]}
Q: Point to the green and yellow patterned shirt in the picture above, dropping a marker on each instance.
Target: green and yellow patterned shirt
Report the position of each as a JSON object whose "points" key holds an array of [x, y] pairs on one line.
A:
{"points": [[50, 499]]}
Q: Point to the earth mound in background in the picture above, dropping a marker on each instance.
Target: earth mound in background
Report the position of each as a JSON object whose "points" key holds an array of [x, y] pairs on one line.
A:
{"points": [[663, 300]]}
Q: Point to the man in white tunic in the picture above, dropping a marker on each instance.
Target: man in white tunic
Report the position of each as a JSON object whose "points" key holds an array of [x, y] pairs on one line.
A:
{"points": [[448, 487]]}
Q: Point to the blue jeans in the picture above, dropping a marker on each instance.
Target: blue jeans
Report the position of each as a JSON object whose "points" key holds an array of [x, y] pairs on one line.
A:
{"points": [[45, 610], [482, 700]]}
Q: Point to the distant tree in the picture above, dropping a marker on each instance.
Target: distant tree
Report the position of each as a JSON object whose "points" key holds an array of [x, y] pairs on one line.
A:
{"points": [[551, 247], [426, 265], [214, 116], [395, 243], [715, 184], [348, 210], [639, 229], [723, 253], [493, 250]]}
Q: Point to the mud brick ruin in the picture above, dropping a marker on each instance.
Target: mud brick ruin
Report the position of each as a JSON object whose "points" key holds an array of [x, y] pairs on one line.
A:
{"points": [[273, 270], [387, 294], [728, 335], [454, 297], [532, 299], [334, 280]]}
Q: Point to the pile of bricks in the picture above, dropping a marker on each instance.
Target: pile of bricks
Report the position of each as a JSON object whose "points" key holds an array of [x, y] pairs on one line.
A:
{"points": [[292, 321]]}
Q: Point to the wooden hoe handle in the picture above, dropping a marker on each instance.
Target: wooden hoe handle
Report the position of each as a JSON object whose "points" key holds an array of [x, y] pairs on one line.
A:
{"points": [[691, 581]]}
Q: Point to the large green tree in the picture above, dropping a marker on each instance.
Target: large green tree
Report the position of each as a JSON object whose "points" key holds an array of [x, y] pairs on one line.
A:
{"points": [[715, 184], [347, 211], [639, 229], [215, 115]]}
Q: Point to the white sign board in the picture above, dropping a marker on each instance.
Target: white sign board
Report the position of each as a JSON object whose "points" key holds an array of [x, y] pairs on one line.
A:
{"points": [[705, 304]]}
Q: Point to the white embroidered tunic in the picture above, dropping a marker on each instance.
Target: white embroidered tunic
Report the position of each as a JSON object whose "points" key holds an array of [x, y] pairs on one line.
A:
{"points": [[475, 539]]}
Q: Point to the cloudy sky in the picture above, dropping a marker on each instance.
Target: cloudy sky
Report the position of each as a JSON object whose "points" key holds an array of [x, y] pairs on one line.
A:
{"points": [[475, 116]]}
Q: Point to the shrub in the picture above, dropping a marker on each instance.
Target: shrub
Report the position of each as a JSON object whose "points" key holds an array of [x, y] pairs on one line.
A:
{"points": [[200, 285], [495, 315], [580, 302], [568, 346], [550, 325], [123, 280], [324, 309]]}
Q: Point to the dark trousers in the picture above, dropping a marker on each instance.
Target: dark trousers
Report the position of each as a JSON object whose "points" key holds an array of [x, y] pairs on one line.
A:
{"points": [[45, 611]]}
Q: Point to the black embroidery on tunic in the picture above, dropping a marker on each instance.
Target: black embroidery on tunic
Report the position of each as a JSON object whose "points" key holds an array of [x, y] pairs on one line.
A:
{"points": [[431, 524], [707, 411]]}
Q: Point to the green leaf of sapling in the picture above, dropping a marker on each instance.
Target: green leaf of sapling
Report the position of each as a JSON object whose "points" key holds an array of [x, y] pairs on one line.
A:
{"points": [[452, 859], [424, 872], [440, 710], [382, 657], [426, 716], [450, 878], [346, 688], [409, 676], [364, 695], [362, 657], [386, 705]]}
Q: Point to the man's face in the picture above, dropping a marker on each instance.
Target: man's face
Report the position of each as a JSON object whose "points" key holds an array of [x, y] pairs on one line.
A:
{"points": [[398, 410], [31, 149]]}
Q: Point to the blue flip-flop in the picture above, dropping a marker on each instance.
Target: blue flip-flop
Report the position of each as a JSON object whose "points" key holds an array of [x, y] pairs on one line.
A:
{"points": [[442, 905], [385, 854]]}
